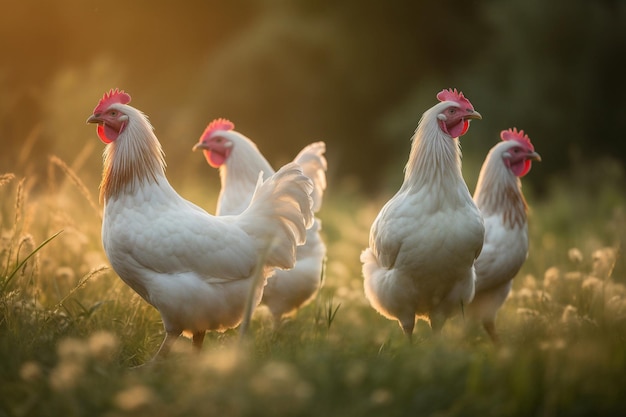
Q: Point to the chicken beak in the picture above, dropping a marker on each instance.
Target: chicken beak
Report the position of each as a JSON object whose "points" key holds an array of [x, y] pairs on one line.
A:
{"points": [[94, 119], [199, 145], [534, 156], [474, 115]]}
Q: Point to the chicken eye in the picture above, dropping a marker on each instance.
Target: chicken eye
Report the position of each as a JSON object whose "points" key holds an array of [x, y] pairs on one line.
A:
{"points": [[113, 113]]}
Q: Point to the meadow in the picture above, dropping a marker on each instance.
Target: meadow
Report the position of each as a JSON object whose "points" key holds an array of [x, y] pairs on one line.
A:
{"points": [[71, 333]]}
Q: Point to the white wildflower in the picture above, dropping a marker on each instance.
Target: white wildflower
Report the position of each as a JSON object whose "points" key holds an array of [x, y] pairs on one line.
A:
{"points": [[222, 362], [103, 345], [524, 295], [603, 262], [281, 385], [65, 376], [616, 306], [592, 285], [575, 255], [570, 315], [573, 276], [551, 278], [72, 350], [527, 313], [30, 371], [529, 282], [134, 398]]}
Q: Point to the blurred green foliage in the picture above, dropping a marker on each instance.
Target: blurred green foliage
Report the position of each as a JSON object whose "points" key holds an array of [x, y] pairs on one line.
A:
{"points": [[70, 329], [357, 74]]}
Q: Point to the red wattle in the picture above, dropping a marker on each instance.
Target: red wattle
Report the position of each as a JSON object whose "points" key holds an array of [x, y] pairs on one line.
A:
{"points": [[459, 129], [465, 127], [215, 159], [102, 135], [521, 168]]}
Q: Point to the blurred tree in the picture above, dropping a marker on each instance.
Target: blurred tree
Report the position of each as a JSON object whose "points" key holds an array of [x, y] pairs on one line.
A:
{"points": [[356, 73], [550, 69], [331, 70]]}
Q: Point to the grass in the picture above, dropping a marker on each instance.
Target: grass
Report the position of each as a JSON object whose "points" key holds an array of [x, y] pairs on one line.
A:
{"points": [[71, 331]]}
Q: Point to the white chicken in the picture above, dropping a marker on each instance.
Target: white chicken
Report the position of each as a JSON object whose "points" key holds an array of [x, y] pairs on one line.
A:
{"points": [[196, 269], [239, 162], [500, 199], [424, 241]]}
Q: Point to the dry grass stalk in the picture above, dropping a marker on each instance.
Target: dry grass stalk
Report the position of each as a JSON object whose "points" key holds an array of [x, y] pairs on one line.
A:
{"points": [[95, 271], [19, 217], [77, 182], [28, 144], [26, 245], [6, 178]]}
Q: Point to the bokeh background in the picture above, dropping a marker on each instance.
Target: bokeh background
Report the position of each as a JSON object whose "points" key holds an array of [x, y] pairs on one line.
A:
{"points": [[355, 73]]}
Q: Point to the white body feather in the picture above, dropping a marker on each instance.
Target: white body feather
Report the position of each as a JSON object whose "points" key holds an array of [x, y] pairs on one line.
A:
{"points": [[286, 290], [424, 241], [499, 197], [196, 269]]}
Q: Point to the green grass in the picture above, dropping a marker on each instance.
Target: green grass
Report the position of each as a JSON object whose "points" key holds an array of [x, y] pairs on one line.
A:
{"points": [[71, 331]]}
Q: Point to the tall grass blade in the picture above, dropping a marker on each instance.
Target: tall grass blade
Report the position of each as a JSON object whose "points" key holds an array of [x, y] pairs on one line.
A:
{"points": [[97, 270], [331, 312], [77, 182], [8, 279]]}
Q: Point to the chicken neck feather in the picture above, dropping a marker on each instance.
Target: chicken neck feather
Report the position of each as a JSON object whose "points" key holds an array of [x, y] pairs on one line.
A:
{"points": [[132, 162]]}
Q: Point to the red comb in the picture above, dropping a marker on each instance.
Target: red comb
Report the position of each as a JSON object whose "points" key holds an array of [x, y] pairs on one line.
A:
{"points": [[513, 134], [456, 96], [113, 96], [218, 124]]}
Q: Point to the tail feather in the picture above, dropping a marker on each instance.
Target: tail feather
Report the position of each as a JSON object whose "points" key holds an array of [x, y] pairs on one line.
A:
{"points": [[279, 214], [379, 288], [314, 166], [371, 268]]}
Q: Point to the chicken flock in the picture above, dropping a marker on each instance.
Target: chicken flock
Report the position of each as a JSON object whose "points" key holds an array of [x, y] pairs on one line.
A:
{"points": [[434, 249]]}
